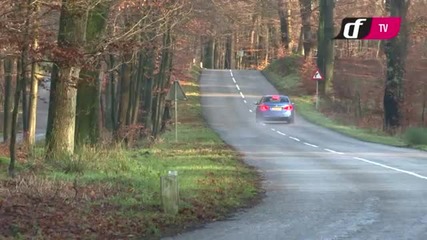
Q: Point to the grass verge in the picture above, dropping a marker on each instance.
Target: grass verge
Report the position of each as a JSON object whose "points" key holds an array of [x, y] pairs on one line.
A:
{"points": [[283, 74], [114, 193]]}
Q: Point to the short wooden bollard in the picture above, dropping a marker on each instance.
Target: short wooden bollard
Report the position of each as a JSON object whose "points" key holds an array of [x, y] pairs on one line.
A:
{"points": [[169, 192]]}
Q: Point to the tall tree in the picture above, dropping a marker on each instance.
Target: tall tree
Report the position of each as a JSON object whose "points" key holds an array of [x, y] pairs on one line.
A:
{"points": [[305, 9], [209, 53], [124, 94], [14, 130], [325, 46], [8, 98], [283, 7], [32, 111], [163, 78], [62, 106], [395, 51], [88, 87]]}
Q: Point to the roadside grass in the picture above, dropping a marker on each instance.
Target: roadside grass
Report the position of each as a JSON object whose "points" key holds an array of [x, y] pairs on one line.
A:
{"points": [[283, 74], [113, 192]]}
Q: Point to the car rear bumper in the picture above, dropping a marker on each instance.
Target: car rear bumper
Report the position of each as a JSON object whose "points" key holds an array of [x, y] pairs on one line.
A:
{"points": [[281, 114], [276, 118]]}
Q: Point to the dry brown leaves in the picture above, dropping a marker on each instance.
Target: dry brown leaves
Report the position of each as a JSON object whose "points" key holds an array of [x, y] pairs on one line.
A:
{"points": [[31, 206]]}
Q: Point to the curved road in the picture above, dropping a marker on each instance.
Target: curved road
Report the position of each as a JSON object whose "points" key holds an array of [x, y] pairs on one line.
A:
{"points": [[319, 184]]}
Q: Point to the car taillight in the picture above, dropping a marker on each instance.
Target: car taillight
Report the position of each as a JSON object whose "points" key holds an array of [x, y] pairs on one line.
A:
{"points": [[263, 108], [288, 107]]}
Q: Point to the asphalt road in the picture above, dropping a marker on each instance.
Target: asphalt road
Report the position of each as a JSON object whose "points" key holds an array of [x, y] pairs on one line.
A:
{"points": [[319, 184], [42, 113]]}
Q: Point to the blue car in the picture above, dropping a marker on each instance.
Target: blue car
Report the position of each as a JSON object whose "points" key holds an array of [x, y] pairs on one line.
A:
{"points": [[275, 108]]}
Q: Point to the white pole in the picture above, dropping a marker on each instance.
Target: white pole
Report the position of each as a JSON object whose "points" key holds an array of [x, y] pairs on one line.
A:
{"points": [[176, 112], [317, 94]]}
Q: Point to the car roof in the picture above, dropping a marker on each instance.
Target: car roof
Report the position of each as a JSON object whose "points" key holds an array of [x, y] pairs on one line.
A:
{"points": [[270, 95]]}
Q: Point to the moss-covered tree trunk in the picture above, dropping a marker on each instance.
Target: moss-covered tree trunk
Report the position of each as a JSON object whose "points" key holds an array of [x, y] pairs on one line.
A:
{"points": [[62, 107], [395, 51], [325, 57], [88, 88]]}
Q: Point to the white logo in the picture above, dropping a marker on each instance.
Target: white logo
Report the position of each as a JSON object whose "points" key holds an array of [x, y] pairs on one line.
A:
{"points": [[357, 24]]}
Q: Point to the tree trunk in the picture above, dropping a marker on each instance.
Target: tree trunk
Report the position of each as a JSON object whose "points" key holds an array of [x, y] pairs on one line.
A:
{"points": [[132, 89], [110, 92], [209, 54], [18, 91], [25, 98], [35, 73], [148, 88], [325, 58], [125, 80], [284, 24], [267, 44], [88, 89], [87, 106], [8, 98], [395, 51], [163, 81], [138, 88], [305, 6], [229, 56], [62, 107]]}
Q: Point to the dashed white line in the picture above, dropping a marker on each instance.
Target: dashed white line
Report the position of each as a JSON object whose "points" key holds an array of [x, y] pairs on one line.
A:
{"points": [[311, 145], [241, 94], [391, 168], [263, 124], [279, 132], [231, 72], [245, 101], [332, 151], [237, 86], [234, 80], [273, 129], [250, 110], [294, 138]]}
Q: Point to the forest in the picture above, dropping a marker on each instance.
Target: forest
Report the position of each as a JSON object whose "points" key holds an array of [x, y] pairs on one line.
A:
{"points": [[108, 65]]}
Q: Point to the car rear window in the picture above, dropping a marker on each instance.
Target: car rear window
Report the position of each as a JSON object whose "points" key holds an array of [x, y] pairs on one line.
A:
{"points": [[276, 99]]}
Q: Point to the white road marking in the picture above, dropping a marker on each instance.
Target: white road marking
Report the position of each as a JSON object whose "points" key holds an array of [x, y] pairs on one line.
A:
{"points": [[231, 72], [234, 80], [273, 129], [332, 151], [263, 124], [296, 139], [241, 94], [392, 168], [279, 132], [311, 145], [237, 86], [250, 110], [245, 101]]}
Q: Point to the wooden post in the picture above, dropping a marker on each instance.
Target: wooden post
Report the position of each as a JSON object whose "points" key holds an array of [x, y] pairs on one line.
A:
{"points": [[169, 192]]}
